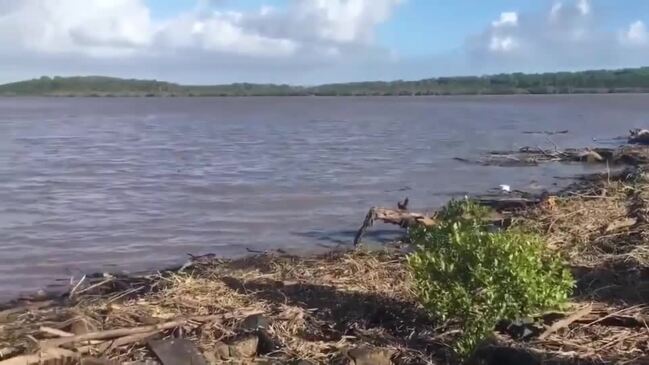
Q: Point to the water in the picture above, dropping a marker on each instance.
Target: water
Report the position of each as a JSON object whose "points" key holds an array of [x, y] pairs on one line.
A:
{"points": [[134, 184]]}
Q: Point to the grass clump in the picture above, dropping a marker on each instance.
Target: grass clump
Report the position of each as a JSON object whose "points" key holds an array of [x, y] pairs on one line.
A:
{"points": [[467, 272]]}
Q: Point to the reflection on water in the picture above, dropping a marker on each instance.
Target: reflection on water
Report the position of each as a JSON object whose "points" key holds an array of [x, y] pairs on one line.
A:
{"points": [[107, 184]]}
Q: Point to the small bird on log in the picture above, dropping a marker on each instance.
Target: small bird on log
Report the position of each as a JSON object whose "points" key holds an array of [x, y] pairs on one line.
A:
{"points": [[403, 205]]}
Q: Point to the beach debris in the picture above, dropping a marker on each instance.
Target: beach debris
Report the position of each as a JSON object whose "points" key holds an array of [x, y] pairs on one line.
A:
{"points": [[633, 155], [505, 188], [639, 136]]}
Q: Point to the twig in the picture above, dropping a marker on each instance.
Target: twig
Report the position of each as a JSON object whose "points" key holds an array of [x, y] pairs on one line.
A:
{"points": [[566, 321], [126, 340], [77, 286], [103, 335], [613, 314], [122, 295], [95, 285], [55, 332], [556, 148]]}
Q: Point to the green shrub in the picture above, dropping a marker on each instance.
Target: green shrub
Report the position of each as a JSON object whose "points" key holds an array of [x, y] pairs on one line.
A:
{"points": [[467, 272]]}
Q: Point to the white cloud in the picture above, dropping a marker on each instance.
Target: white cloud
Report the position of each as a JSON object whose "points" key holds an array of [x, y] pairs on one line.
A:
{"points": [[502, 44], [220, 32], [124, 28], [94, 27], [636, 35], [584, 6], [566, 35], [555, 10], [509, 18], [345, 20]]}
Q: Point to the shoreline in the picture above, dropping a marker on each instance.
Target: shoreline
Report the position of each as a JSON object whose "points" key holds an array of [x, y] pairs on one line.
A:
{"points": [[405, 96], [355, 305]]}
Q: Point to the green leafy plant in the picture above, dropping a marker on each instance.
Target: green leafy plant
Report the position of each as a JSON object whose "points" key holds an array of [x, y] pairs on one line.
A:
{"points": [[470, 273]]}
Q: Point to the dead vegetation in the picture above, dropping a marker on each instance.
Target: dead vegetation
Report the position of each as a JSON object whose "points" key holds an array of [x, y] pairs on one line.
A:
{"points": [[532, 156], [357, 307]]}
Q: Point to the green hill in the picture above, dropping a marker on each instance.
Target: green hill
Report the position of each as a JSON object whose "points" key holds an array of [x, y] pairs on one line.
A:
{"points": [[598, 81]]}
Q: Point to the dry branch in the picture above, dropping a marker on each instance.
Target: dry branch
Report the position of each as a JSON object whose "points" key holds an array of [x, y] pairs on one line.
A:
{"points": [[566, 321], [43, 357], [401, 218], [104, 335]]}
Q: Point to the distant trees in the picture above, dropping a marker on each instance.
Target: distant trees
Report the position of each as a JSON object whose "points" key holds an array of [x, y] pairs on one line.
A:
{"points": [[596, 81]]}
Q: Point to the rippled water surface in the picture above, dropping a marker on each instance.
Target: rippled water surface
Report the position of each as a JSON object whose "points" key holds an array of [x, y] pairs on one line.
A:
{"points": [[90, 184]]}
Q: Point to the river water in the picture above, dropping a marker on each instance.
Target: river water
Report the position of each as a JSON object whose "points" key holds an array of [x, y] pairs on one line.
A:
{"points": [[109, 184]]}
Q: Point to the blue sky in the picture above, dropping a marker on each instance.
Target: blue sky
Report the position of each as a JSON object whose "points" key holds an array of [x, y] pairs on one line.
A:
{"points": [[315, 41]]}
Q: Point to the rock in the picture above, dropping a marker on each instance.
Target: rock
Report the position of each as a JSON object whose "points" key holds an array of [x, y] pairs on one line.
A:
{"points": [[370, 356], [260, 324], [255, 322], [176, 351], [245, 347]]}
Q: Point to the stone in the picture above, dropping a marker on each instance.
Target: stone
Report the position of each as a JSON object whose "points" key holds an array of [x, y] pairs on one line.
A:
{"points": [[370, 356], [244, 347], [176, 351], [255, 322]]}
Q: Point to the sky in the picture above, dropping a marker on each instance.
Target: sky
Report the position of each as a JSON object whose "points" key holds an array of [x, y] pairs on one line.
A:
{"points": [[316, 41]]}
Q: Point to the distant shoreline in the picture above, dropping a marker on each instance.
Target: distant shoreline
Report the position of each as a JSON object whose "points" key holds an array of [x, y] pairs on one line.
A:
{"points": [[631, 80], [144, 96]]}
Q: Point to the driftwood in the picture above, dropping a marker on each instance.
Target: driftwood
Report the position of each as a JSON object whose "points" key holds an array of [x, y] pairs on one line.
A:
{"points": [[402, 218], [121, 332], [406, 219]]}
